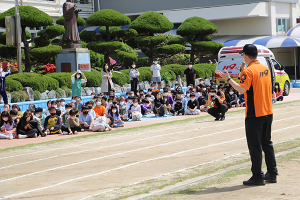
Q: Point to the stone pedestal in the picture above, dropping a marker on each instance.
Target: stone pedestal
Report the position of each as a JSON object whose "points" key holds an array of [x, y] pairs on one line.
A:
{"points": [[73, 59]]}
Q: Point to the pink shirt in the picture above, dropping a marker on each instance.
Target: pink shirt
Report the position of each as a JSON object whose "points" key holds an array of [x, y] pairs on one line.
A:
{"points": [[279, 94]]}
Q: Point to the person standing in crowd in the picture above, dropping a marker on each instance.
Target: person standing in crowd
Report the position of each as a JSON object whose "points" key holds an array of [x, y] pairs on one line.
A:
{"points": [[4, 72], [134, 78], [256, 84], [190, 75], [155, 72], [107, 84], [76, 83]]}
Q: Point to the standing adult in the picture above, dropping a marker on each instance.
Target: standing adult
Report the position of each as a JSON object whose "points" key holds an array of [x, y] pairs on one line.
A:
{"points": [[134, 78], [76, 83], [70, 13], [190, 74], [106, 80], [256, 84], [155, 72], [4, 72]]}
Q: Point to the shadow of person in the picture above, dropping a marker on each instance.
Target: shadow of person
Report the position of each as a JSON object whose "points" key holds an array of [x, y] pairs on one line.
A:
{"points": [[211, 190]]}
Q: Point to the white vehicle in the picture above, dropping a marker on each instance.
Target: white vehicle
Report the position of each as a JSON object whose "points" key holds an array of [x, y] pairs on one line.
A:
{"points": [[230, 59]]}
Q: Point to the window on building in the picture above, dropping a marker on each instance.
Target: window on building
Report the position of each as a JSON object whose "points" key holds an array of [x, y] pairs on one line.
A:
{"points": [[283, 25]]}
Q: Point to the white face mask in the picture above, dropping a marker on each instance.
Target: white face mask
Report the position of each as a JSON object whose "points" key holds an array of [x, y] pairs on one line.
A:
{"points": [[190, 66], [130, 102], [114, 111], [62, 103], [192, 99], [73, 101], [68, 110], [231, 93], [133, 66], [14, 118], [188, 95], [148, 98], [92, 96], [5, 119], [135, 104], [106, 67], [78, 76], [194, 90], [122, 103], [201, 82], [37, 115], [149, 93], [204, 89], [155, 62], [55, 106], [98, 103]]}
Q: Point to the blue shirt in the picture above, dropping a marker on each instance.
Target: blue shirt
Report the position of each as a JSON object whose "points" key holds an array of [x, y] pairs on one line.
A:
{"points": [[116, 117], [86, 119]]}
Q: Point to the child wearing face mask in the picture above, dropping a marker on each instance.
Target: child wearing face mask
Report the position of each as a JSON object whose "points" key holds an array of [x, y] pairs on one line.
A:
{"points": [[14, 116], [117, 119], [17, 108], [146, 107], [60, 106], [24, 129], [99, 109], [85, 119], [7, 126], [76, 83], [233, 99], [128, 105], [41, 116], [193, 106], [78, 103], [72, 123], [123, 112], [90, 105], [135, 111], [178, 108], [52, 123], [53, 104], [65, 116]]}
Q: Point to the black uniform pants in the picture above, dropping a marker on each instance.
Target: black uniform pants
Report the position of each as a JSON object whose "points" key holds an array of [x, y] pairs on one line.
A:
{"points": [[258, 133], [217, 112], [30, 133], [73, 129], [4, 96], [134, 84]]}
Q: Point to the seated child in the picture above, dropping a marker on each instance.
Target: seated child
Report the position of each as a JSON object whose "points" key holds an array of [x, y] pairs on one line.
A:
{"points": [[146, 107], [52, 123], [192, 106], [60, 106], [178, 107], [53, 104], [135, 111], [7, 126], [85, 119], [72, 123], [104, 101], [102, 124], [115, 114], [17, 108], [14, 116], [99, 109], [65, 116], [90, 105], [41, 117], [6, 107], [128, 106], [123, 110]]}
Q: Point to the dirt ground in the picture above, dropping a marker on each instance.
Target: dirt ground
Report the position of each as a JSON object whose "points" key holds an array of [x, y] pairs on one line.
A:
{"points": [[105, 164]]}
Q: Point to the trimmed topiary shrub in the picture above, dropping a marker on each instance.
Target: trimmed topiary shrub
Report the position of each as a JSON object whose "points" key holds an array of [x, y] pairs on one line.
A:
{"points": [[126, 58], [44, 54], [19, 96], [94, 79], [63, 78], [37, 95], [87, 36], [120, 78], [13, 85], [61, 21], [8, 51]]}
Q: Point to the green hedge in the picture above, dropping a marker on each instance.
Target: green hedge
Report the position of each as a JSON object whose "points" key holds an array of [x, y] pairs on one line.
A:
{"points": [[19, 96], [35, 81], [13, 85]]}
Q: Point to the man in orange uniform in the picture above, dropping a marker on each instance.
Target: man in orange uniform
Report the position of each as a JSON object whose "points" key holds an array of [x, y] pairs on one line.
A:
{"points": [[256, 84]]}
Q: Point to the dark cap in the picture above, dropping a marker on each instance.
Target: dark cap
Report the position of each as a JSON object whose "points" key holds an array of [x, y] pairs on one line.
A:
{"points": [[250, 50], [155, 59], [213, 87], [189, 63], [192, 95]]}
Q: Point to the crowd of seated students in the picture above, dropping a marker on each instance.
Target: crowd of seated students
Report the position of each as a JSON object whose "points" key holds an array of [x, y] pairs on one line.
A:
{"points": [[102, 113]]}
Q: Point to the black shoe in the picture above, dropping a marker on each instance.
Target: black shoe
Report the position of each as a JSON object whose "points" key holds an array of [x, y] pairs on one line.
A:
{"points": [[217, 119], [253, 181], [43, 135], [222, 118], [271, 178]]}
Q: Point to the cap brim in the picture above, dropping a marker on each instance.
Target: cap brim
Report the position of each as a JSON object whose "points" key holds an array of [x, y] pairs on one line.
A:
{"points": [[241, 52]]}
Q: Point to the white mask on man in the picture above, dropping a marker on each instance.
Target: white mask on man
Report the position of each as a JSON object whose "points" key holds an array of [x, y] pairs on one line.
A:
{"points": [[190, 66], [231, 93], [155, 62]]}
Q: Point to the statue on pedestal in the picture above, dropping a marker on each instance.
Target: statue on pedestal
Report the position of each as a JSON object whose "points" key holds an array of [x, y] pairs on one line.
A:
{"points": [[71, 36]]}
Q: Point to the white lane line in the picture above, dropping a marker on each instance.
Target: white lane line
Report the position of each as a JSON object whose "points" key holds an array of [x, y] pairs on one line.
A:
{"points": [[117, 154], [130, 151], [132, 141], [135, 163], [118, 168], [97, 141], [166, 174]]}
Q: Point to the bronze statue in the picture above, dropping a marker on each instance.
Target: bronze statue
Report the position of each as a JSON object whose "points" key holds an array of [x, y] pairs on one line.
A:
{"points": [[71, 36]]}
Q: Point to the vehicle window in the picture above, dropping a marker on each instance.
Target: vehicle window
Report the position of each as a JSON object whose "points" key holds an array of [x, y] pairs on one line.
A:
{"points": [[276, 65]]}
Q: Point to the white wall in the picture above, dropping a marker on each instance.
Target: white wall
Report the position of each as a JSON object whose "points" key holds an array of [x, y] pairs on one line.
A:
{"points": [[285, 56]]}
